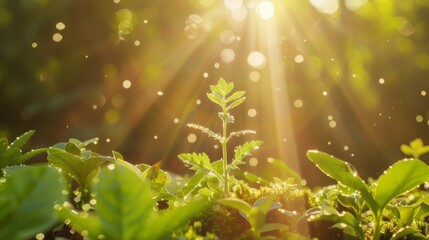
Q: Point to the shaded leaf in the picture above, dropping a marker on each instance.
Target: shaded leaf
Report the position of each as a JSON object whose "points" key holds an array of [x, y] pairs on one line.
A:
{"points": [[21, 140]]}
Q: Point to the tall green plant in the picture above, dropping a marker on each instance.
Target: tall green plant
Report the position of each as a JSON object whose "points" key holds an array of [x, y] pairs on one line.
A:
{"points": [[401, 177], [222, 94]]}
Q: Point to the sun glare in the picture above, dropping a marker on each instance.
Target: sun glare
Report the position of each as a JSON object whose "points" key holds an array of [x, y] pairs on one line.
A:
{"points": [[265, 10]]}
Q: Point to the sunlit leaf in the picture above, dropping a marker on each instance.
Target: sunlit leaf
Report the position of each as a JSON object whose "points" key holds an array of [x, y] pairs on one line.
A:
{"points": [[27, 200], [401, 177], [21, 140], [237, 204]]}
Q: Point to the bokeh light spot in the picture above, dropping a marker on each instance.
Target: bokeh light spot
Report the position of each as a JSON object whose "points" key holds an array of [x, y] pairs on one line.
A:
{"points": [[332, 124], [57, 37], [216, 65], [256, 59], [34, 45], [227, 36], [112, 116], [176, 120], [160, 93], [265, 10], [381, 80], [192, 138], [198, 102], [325, 6], [423, 93], [205, 75], [227, 55], [419, 118], [298, 103], [253, 162], [126, 84], [299, 58], [137, 43], [60, 26], [233, 4], [325, 93], [40, 236], [254, 76], [252, 112], [118, 101], [206, 3]]}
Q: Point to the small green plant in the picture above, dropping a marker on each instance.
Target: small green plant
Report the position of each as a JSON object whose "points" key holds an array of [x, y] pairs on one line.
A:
{"points": [[401, 177], [256, 214], [11, 154], [77, 164], [126, 209], [222, 95], [415, 149]]}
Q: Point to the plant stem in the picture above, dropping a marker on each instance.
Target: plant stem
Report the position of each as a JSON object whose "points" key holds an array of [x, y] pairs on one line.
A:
{"points": [[225, 153], [376, 235]]}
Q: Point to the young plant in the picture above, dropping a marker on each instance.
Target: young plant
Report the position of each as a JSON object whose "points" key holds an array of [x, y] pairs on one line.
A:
{"points": [[125, 209], [415, 149], [11, 154], [400, 178], [256, 214], [222, 95], [78, 164]]}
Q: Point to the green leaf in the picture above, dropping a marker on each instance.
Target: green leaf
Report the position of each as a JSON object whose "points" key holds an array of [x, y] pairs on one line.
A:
{"points": [[205, 130], [407, 231], [326, 212], [7, 158], [401, 177], [21, 140], [124, 203], [166, 222], [256, 179], [81, 222], [272, 226], [72, 148], [197, 161], [3, 145], [235, 96], [237, 204], [28, 155], [27, 200], [82, 170], [265, 203], [344, 173], [214, 98], [193, 183], [235, 103], [246, 149]]}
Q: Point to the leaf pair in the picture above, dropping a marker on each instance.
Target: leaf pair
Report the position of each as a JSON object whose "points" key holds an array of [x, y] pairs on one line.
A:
{"points": [[219, 95]]}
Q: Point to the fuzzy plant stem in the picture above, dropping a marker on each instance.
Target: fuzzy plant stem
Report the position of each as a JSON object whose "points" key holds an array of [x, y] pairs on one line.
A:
{"points": [[225, 153]]}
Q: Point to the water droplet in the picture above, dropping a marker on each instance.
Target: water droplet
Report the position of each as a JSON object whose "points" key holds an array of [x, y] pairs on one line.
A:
{"points": [[111, 166], [84, 233], [57, 207], [93, 202], [86, 207], [40, 236]]}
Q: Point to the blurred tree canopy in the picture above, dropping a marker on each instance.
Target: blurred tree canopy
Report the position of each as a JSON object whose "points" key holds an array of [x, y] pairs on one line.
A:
{"points": [[349, 77]]}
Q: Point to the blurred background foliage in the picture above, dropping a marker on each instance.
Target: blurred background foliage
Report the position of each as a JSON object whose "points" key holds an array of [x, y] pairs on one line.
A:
{"points": [[349, 77]]}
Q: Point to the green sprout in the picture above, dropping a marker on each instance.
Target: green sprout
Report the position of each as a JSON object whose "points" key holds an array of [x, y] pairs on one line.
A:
{"points": [[222, 95]]}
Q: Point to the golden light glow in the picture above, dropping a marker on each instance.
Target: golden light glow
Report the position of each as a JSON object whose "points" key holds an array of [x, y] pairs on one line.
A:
{"points": [[265, 10]]}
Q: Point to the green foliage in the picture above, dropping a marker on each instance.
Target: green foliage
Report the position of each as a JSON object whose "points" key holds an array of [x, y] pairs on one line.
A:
{"points": [[126, 209], [401, 177], [76, 162], [256, 214], [415, 149], [12, 154], [27, 200], [222, 95]]}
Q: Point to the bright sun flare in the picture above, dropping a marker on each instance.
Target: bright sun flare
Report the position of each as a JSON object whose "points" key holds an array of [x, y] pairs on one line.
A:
{"points": [[266, 10]]}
